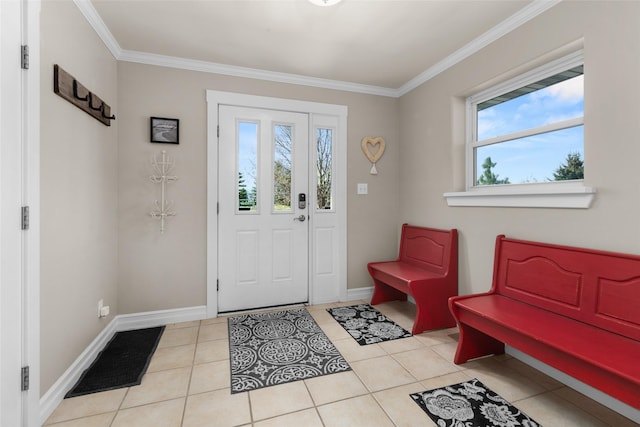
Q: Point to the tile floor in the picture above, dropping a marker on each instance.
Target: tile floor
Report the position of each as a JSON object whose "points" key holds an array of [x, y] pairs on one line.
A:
{"points": [[187, 384]]}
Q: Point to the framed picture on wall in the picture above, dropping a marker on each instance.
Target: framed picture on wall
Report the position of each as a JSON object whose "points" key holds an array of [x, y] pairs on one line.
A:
{"points": [[165, 130]]}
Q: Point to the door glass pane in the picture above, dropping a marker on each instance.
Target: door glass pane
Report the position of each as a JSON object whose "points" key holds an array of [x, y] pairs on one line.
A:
{"points": [[247, 166], [282, 146], [324, 168]]}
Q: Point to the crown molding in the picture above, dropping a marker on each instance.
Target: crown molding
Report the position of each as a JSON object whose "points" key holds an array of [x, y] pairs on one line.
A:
{"points": [[91, 15], [251, 73], [514, 21], [529, 12]]}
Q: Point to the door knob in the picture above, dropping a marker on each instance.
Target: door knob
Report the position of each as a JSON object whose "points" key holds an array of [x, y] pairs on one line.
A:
{"points": [[301, 218]]}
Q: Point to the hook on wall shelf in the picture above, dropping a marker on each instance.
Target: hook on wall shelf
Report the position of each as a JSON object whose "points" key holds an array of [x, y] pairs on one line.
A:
{"points": [[111, 117], [67, 87], [98, 108], [75, 92]]}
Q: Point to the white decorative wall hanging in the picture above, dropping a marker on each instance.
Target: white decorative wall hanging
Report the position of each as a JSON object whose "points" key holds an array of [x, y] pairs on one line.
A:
{"points": [[162, 169], [369, 142]]}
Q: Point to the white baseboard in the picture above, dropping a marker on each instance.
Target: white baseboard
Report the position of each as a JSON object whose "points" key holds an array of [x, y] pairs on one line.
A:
{"points": [[149, 319], [364, 293], [126, 322], [52, 398], [600, 397]]}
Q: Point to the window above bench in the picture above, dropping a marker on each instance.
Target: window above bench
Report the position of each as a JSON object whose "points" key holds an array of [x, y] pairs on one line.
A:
{"points": [[525, 141]]}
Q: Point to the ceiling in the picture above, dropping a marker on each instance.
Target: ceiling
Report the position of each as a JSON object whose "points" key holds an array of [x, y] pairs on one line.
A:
{"points": [[378, 43]]}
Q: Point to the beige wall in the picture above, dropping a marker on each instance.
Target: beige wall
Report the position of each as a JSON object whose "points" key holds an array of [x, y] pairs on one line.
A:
{"points": [[169, 271], [99, 242], [79, 176], [432, 135]]}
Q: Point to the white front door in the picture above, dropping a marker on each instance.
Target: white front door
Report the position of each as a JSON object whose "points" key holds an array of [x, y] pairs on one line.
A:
{"points": [[263, 240]]}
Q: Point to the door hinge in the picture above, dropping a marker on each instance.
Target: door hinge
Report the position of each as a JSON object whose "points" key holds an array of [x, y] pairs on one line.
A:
{"points": [[217, 285], [25, 378], [25, 218], [24, 57], [218, 131], [218, 208]]}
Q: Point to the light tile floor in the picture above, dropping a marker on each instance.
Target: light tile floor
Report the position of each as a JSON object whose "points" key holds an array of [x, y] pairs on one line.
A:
{"points": [[187, 384]]}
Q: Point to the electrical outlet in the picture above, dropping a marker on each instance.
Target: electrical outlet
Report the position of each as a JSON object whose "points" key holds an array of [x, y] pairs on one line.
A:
{"points": [[104, 311]]}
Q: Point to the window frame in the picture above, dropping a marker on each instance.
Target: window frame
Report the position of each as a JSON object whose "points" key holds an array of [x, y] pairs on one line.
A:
{"points": [[564, 194]]}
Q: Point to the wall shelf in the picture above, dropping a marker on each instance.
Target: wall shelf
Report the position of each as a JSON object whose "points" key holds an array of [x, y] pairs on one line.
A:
{"points": [[67, 87]]}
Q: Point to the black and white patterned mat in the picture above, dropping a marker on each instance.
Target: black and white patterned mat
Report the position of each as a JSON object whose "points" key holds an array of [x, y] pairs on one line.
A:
{"points": [[366, 324], [470, 404], [279, 347]]}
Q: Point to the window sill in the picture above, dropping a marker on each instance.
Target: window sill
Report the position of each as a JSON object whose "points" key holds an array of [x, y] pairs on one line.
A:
{"points": [[555, 195]]}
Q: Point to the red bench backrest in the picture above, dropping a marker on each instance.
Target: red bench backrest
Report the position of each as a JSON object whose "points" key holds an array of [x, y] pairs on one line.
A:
{"points": [[596, 287], [430, 248]]}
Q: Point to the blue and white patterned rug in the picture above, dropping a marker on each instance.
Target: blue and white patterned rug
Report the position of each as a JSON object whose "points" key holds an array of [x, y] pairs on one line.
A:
{"points": [[366, 324], [279, 347], [470, 404]]}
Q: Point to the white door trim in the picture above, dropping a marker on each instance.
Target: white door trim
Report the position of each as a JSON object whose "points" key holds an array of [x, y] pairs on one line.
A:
{"points": [[31, 197], [215, 98], [20, 184]]}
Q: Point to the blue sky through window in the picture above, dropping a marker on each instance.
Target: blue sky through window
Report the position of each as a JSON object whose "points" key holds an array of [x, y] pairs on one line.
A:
{"points": [[534, 158]]}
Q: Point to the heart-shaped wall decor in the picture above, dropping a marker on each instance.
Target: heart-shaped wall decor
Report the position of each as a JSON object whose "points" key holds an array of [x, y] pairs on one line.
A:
{"points": [[368, 143]]}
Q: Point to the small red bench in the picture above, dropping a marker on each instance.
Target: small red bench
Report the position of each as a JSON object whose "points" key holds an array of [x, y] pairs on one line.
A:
{"points": [[577, 310], [426, 269]]}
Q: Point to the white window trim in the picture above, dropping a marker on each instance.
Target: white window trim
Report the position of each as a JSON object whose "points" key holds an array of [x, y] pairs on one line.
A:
{"points": [[565, 194]]}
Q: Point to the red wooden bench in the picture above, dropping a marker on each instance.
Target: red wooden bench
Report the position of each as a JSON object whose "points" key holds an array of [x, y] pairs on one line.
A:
{"points": [[426, 269], [575, 309]]}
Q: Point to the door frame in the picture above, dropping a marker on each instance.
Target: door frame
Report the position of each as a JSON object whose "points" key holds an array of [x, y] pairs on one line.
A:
{"points": [[20, 186], [320, 291]]}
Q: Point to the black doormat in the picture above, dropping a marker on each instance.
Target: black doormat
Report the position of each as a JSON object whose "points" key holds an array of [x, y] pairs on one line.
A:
{"points": [[367, 325], [279, 347], [470, 404], [122, 363]]}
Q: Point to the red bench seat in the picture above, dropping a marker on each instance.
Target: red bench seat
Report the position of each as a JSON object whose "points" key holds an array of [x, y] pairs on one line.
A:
{"points": [[400, 274], [574, 309]]}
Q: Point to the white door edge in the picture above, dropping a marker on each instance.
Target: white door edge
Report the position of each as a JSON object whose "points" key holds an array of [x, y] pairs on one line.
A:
{"points": [[215, 98], [20, 168], [31, 407]]}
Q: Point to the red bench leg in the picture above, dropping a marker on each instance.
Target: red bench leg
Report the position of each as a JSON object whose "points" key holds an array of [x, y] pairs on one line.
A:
{"points": [[432, 310], [383, 293], [474, 343], [430, 316]]}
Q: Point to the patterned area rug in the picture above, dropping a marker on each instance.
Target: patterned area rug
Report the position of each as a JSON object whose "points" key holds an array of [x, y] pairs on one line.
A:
{"points": [[279, 347], [366, 324], [470, 404]]}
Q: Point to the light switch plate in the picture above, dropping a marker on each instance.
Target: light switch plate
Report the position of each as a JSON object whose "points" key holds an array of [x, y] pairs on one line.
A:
{"points": [[363, 188]]}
